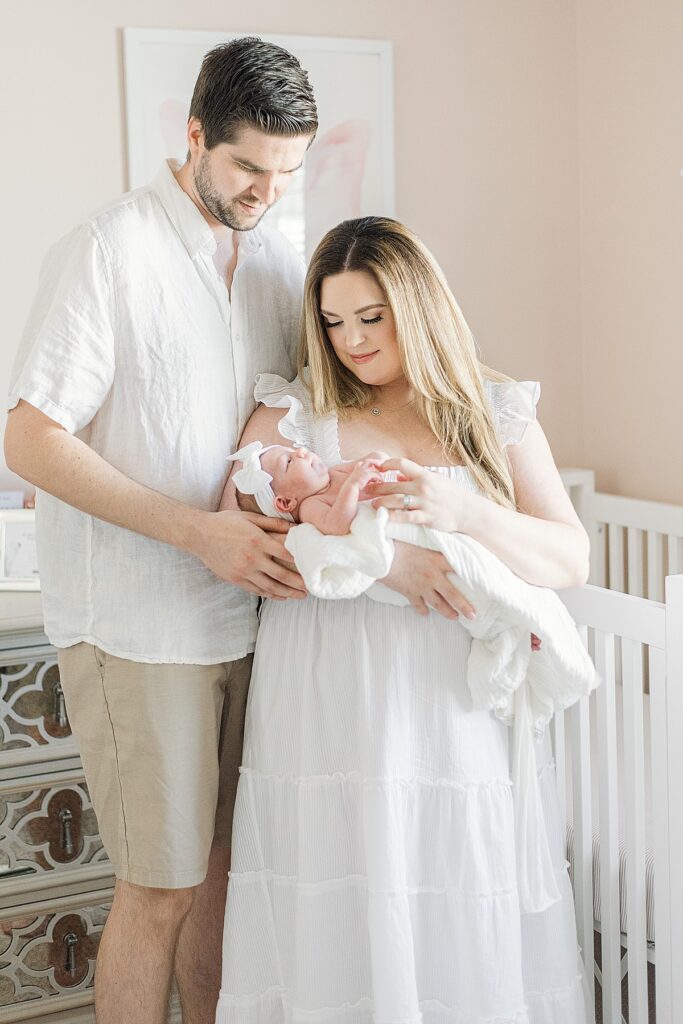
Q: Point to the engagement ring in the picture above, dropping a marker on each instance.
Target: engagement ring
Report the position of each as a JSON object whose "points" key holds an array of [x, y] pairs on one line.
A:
{"points": [[407, 500]]}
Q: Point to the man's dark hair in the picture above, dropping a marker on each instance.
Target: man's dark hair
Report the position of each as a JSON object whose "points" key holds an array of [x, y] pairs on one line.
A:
{"points": [[248, 82]]}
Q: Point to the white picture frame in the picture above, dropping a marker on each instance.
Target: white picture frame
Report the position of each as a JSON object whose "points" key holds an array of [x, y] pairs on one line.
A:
{"points": [[349, 170], [18, 556]]}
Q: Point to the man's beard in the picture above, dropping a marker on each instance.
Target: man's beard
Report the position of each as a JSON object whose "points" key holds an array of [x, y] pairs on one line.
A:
{"points": [[226, 211]]}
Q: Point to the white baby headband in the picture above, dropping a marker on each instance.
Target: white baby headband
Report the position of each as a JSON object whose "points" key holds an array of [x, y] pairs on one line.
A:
{"points": [[253, 479]]}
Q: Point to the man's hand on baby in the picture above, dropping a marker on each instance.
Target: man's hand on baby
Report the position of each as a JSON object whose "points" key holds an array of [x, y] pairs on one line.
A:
{"points": [[248, 550]]}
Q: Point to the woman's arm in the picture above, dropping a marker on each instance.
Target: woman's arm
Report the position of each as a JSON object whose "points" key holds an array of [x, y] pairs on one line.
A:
{"points": [[543, 542], [261, 426]]}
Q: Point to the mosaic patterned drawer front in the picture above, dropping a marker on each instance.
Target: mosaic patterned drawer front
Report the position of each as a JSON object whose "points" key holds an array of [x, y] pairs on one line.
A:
{"points": [[46, 955], [32, 708], [48, 830]]}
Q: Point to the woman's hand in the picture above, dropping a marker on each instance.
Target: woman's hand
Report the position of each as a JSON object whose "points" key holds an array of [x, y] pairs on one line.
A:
{"points": [[420, 496], [426, 579]]}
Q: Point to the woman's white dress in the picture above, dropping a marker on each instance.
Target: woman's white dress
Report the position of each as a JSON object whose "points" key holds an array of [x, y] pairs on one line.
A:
{"points": [[373, 857]]}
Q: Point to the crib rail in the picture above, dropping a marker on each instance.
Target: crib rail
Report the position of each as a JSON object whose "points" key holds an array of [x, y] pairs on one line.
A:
{"points": [[611, 750], [635, 544]]}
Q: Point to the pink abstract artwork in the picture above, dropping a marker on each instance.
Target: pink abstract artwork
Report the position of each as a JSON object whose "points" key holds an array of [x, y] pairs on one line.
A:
{"points": [[335, 169]]}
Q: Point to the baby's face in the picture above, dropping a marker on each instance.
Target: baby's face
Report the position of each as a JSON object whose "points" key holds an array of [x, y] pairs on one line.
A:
{"points": [[296, 472]]}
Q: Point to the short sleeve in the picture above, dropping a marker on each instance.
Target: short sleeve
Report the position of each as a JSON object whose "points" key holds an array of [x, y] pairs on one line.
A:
{"points": [[65, 363], [318, 433], [277, 393], [514, 407]]}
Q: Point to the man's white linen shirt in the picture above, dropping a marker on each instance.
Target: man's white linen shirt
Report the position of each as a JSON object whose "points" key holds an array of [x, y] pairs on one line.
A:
{"points": [[135, 345]]}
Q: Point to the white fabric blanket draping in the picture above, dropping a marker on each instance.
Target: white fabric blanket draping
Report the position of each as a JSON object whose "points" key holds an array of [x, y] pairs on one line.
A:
{"points": [[521, 687]]}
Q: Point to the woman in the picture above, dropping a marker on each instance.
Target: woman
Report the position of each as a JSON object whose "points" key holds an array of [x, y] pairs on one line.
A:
{"points": [[373, 871]]}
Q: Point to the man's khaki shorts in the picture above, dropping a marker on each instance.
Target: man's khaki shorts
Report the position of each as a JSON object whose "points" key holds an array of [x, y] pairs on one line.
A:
{"points": [[161, 747]]}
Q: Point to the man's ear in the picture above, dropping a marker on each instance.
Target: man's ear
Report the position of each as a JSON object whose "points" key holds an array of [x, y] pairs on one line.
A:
{"points": [[285, 504], [195, 136]]}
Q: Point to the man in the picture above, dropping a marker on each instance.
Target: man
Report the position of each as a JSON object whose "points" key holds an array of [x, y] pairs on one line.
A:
{"points": [[132, 385]]}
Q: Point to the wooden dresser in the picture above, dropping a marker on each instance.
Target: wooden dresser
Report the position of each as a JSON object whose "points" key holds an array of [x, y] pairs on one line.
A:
{"points": [[56, 882]]}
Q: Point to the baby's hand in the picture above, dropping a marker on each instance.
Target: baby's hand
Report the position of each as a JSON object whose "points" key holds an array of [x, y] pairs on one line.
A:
{"points": [[376, 458], [365, 472]]}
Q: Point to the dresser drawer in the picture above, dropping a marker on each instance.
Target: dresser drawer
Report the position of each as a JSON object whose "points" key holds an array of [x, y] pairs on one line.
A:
{"points": [[33, 718], [47, 954], [47, 830]]}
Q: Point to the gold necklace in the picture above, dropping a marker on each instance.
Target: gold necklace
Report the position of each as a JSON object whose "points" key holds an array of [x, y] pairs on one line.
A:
{"points": [[376, 411]]}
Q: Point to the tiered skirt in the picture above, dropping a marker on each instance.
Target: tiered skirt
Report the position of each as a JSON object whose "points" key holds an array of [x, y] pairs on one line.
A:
{"points": [[373, 867]]}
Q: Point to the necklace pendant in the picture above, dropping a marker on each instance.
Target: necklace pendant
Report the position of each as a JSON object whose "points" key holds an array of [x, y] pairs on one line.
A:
{"points": [[375, 411]]}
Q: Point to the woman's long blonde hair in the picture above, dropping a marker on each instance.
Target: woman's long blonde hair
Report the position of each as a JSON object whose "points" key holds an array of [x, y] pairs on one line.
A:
{"points": [[435, 345]]}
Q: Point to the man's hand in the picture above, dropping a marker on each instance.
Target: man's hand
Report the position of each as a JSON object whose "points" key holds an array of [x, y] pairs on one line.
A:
{"points": [[248, 550], [422, 577]]}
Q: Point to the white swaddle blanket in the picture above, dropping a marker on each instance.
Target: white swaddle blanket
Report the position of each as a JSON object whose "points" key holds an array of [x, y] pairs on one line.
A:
{"points": [[521, 687]]}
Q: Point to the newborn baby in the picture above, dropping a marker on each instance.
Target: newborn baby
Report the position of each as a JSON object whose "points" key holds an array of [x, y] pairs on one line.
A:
{"points": [[294, 484]]}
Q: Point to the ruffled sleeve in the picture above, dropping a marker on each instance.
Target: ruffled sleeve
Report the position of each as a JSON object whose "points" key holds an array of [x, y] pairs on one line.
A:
{"points": [[299, 425], [514, 407], [278, 393]]}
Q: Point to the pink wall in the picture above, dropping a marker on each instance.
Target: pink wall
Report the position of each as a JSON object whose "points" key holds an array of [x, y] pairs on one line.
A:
{"points": [[486, 153], [631, 201]]}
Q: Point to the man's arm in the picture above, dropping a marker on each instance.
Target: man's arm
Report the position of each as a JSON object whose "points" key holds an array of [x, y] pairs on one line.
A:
{"points": [[231, 544]]}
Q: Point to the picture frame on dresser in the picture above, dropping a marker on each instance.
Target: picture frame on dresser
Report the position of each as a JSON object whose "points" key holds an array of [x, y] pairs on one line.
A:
{"points": [[18, 554]]}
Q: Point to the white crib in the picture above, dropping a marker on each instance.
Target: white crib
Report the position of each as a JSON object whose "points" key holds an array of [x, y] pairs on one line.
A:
{"points": [[620, 760], [635, 544]]}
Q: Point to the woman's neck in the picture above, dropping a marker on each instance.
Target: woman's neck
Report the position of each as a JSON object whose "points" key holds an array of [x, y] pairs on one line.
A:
{"points": [[394, 395]]}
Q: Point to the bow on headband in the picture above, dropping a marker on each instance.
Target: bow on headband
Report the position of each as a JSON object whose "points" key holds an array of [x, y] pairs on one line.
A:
{"points": [[252, 479]]}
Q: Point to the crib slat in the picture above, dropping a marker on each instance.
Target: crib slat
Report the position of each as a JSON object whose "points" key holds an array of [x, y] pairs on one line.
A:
{"points": [[675, 557], [635, 562], [616, 558], [610, 927], [655, 566], [598, 555], [662, 852], [580, 729], [634, 804]]}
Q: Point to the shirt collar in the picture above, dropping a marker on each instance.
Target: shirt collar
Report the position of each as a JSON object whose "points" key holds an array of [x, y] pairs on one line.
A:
{"points": [[196, 234]]}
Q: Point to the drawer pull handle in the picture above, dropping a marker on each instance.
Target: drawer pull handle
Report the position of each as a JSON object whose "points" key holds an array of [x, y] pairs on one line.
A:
{"points": [[59, 707], [16, 872], [66, 835], [70, 940]]}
